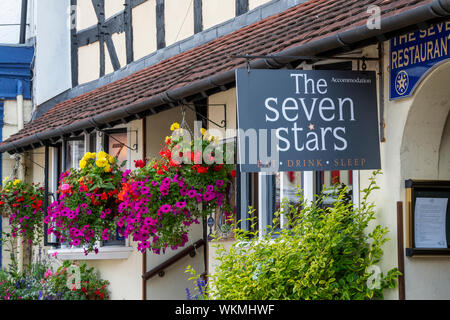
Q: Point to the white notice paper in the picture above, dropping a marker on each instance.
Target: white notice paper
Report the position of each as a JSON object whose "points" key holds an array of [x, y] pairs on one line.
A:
{"points": [[429, 222]]}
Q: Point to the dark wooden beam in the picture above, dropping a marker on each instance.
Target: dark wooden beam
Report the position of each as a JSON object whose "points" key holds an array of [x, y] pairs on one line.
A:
{"points": [[160, 25], [105, 36], [198, 16], [128, 26], [241, 7], [74, 44], [99, 7]]}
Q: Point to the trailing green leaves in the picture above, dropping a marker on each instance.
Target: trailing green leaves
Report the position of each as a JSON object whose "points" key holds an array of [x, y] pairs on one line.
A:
{"points": [[323, 253]]}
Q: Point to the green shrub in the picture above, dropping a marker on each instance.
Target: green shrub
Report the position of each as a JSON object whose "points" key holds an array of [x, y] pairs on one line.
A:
{"points": [[324, 253]]}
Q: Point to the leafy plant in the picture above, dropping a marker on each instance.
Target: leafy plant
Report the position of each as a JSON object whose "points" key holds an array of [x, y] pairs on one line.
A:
{"points": [[323, 253], [22, 202], [39, 282], [90, 286]]}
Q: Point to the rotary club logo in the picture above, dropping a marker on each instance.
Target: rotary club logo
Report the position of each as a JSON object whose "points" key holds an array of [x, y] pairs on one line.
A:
{"points": [[401, 82]]}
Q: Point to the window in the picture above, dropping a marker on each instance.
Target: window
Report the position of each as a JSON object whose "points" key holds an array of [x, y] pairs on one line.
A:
{"points": [[115, 144], [339, 178], [92, 142], [74, 152]]}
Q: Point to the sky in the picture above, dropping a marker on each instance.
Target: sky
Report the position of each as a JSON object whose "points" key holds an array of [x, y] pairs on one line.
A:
{"points": [[9, 14]]}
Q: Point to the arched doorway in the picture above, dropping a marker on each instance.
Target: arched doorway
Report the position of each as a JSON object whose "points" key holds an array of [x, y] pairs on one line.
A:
{"points": [[425, 154], [425, 150]]}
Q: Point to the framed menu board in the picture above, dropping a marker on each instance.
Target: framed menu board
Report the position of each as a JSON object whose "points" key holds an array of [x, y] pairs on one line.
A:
{"points": [[427, 217]]}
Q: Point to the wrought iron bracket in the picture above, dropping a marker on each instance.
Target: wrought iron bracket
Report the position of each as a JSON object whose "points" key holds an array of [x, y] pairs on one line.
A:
{"points": [[223, 123], [135, 147]]}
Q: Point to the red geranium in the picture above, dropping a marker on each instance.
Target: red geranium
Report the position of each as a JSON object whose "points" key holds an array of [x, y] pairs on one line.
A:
{"points": [[139, 163]]}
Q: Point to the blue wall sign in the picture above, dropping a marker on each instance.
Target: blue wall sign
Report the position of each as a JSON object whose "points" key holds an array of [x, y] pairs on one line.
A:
{"points": [[414, 54], [307, 120]]}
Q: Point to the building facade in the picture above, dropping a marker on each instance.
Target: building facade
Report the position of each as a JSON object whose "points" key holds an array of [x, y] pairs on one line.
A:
{"points": [[127, 70], [16, 57]]}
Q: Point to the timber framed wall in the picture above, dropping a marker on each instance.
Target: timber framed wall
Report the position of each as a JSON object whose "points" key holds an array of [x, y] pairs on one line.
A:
{"points": [[106, 37]]}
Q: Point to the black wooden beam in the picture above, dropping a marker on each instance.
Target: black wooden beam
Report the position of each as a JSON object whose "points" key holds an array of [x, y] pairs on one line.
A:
{"points": [[160, 25], [198, 16], [135, 3], [128, 25], [120, 22], [241, 7], [74, 44], [99, 7]]}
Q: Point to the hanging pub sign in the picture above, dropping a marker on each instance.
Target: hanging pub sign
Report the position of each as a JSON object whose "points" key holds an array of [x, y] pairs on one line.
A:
{"points": [[414, 54], [295, 120]]}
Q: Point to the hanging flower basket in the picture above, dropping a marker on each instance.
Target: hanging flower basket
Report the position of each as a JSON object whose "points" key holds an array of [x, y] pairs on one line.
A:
{"points": [[22, 203], [86, 210], [162, 199]]}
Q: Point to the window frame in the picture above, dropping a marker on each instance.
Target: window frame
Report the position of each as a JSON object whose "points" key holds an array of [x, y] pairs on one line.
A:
{"points": [[118, 241]]}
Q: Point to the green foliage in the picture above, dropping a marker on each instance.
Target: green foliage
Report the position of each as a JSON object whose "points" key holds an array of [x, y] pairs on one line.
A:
{"points": [[90, 287], [39, 282], [323, 254], [22, 202]]}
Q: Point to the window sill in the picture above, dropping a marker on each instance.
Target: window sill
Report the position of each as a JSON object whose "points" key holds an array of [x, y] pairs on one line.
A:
{"points": [[104, 253]]}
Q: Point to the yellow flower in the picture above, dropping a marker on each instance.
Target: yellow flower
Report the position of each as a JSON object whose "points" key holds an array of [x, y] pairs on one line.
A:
{"points": [[101, 162], [5, 180], [203, 131], [174, 126], [111, 159], [107, 168], [102, 154], [16, 181], [83, 163], [168, 138], [89, 155]]}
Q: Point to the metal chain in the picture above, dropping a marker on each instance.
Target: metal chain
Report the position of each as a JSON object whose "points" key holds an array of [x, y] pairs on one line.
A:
{"points": [[184, 124], [16, 165]]}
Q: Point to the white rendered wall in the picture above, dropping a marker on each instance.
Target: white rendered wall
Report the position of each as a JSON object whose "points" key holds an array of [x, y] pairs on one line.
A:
{"points": [[52, 66]]}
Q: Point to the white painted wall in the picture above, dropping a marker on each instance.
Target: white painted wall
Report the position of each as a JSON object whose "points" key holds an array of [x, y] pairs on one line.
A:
{"points": [[252, 4], [144, 29], [179, 20], [52, 66], [217, 11]]}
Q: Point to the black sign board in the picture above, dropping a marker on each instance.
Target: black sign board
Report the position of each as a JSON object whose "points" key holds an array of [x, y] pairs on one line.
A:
{"points": [[296, 120]]}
